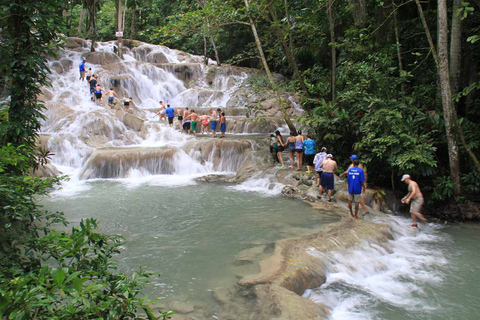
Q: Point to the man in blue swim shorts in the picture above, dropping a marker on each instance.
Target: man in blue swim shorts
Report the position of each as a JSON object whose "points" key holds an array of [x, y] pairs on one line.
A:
{"points": [[213, 122], [223, 124], [327, 182]]}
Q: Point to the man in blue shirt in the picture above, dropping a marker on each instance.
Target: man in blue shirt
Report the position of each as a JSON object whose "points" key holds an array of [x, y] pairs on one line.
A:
{"points": [[82, 70], [170, 114], [356, 183]]}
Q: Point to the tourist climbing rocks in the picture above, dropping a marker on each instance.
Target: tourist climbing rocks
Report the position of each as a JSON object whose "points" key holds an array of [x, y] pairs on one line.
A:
{"points": [[111, 95], [88, 73], [213, 122], [223, 124], [170, 112], [205, 121], [180, 119], [356, 184], [186, 122], [274, 148], [290, 142], [310, 147], [415, 198], [82, 70], [93, 84], [161, 113], [126, 104], [328, 179], [299, 139], [98, 94], [319, 157], [280, 147], [354, 157], [194, 118]]}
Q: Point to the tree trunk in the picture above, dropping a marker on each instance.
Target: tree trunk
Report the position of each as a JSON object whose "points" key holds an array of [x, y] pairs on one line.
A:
{"points": [[397, 40], [132, 24], [455, 46], [119, 28], [213, 42], [205, 48], [267, 69], [93, 20], [427, 32], [359, 11], [80, 23], [451, 121], [331, 22], [287, 49]]}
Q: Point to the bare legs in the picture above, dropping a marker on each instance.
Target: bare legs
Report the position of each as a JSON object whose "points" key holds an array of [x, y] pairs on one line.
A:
{"points": [[416, 215], [356, 209], [291, 155], [299, 160], [280, 158]]}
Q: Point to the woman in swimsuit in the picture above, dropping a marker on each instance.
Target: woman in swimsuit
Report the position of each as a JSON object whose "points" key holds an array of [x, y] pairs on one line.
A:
{"points": [[180, 118], [126, 104], [274, 148], [205, 122], [291, 148], [281, 147], [98, 94], [299, 139]]}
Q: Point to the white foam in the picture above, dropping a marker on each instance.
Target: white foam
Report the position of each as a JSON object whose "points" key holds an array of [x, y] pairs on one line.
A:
{"points": [[393, 273], [267, 186]]}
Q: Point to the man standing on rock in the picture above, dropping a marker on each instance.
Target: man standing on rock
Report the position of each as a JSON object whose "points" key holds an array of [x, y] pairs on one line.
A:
{"points": [[213, 122], [328, 179], [170, 114], [356, 184], [204, 118], [223, 124], [319, 158], [194, 117], [82, 70], [111, 95], [414, 196], [186, 121], [354, 157]]}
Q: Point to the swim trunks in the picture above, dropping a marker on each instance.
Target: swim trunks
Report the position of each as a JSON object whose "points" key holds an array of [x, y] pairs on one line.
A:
{"points": [[186, 125], [327, 180], [205, 123], [416, 205], [194, 125], [213, 125], [354, 197], [88, 78], [126, 103], [223, 127], [170, 120], [180, 118], [110, 100]]}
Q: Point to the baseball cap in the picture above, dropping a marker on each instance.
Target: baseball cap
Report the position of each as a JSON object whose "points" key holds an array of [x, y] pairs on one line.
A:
{"points": [[329, 155], [405, 176], [353, 157], [324, 149]]}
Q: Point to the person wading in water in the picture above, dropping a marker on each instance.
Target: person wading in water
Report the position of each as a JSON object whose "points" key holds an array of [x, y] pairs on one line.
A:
{"points": [[415, 198]]}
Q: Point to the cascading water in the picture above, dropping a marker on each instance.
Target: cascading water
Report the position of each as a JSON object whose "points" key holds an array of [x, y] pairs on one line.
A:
{"points": [[93, 141]]}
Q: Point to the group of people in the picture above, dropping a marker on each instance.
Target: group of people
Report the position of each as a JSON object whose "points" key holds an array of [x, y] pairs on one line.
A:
{"points": [[326, 167], [96, 91], [188, 120]]}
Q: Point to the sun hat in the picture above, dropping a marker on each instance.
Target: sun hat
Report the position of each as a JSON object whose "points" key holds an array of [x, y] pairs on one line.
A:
{"points": [[353, 157], [329, 155], [405, 176]]}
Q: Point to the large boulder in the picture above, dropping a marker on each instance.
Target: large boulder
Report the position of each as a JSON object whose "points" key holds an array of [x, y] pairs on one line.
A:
{"points": [[57, 67], [45, 95], [157, 57], [74, 43], [101, 58], [132, 122]]}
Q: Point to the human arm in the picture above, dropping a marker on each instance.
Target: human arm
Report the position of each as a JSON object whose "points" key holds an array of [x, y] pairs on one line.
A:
{"points": [[411, 193]]}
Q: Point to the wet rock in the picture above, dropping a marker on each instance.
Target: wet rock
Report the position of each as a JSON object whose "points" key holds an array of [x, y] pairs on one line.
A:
{"points": [[57, 67], [216, 178], [74, 43], [248, 255], [182, 307], [66, 64], [46, 171], [132, 122], [45, 94], [157, 57], [222, 295], [101, 58]]}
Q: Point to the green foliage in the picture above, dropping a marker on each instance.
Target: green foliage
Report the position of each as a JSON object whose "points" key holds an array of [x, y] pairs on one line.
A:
{"points": [[443, 189]]}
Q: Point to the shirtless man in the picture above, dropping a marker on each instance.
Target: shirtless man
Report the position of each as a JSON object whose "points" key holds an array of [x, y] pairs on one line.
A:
{"points": [[186, 122], [111, 93], [223, 124], [354, 157], [205, 120], [414, 196], [213, 122], [194, 118], [180, 119], [93, 84], [89, 73], [126, 104], [327, 182]]}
